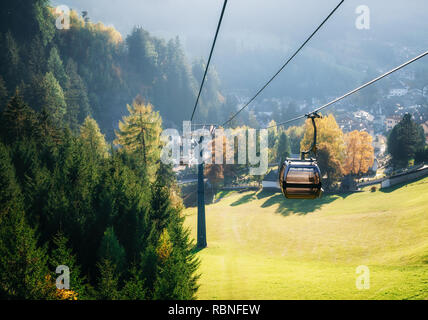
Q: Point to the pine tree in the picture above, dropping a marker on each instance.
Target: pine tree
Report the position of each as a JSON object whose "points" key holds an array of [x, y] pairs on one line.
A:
{"points": [[93, 138], [3, 94], [160, 205], [45, 94], [56, 67], [283, 147], [405, 139], [108, 281], [176, 263], [76, 96], [27, 19], [35, 58], [53, 99], [142, 54], [9, 192], [295, 135], [23, 267], [134, 288], [18, 121], [10, 60], [111, 250], [176, 275], [62, 255]]}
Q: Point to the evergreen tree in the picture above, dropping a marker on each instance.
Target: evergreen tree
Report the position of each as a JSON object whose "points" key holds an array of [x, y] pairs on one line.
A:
{"points": [[27, 19], [405, 139], [177, 278], [134, 288], [9, 193], [295, 135], [18, 121], [108, 281], [161, 207], [56, 67], [54, 179], [63, 255], [23, 267], [35, 58], [92, 138], [76, 96], [10, 60], [176, 263], [283, 147], [3, 94], [111, 250], [45, 94], [142, 54]]}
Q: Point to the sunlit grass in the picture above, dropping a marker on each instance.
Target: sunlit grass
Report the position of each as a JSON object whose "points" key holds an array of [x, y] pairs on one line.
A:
{"points": [[262, 246]]}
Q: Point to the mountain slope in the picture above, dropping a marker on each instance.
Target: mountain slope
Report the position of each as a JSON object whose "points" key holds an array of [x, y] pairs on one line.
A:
{"points": [[262, 246]]}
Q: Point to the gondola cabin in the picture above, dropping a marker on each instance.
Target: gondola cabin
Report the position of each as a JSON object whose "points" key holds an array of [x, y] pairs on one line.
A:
{"points": [[300, 179]]}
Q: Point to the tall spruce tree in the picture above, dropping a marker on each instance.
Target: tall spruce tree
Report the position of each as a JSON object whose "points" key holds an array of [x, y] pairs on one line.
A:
{"points": [[62, 255], [23, 266], [405, 139]]}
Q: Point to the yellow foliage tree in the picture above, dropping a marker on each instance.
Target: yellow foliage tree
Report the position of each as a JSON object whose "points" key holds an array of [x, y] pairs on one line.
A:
{"points": [[329, 133], [140, 132], [359, 152]]}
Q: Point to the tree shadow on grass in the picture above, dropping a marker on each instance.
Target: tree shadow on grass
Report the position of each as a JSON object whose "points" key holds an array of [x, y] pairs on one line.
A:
{"points": [[222, 194], [256, 195], [266, 193], [297, 206], [288, 206], [244, 199]]}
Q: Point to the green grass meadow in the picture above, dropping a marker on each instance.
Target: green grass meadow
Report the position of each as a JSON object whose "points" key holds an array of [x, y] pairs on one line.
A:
{"points": [[263, 246]]}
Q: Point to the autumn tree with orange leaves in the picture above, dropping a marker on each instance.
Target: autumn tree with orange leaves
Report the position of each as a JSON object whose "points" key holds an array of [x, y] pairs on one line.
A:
{"points": [[330, 147], [359, 153]]}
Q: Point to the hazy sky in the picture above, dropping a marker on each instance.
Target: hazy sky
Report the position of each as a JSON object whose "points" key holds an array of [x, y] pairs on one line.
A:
{"points": [[249, 23]]}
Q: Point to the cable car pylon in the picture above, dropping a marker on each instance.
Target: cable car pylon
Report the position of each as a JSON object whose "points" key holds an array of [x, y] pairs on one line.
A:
{"points": [[202, 231]]}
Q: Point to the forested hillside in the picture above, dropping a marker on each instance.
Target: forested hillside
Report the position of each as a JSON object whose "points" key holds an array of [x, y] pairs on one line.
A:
{"points": [[68, 197], [91, 69]]}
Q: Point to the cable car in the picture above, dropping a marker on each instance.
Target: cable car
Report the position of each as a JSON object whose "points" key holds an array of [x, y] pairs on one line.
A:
{"points": [[301, 178]]}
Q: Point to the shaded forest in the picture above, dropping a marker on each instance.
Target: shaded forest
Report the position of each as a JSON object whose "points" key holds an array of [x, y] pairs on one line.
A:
{"points": [[90, 69], [109, 212]]}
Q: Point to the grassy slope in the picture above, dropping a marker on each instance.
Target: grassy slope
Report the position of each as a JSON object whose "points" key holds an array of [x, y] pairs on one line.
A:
{"points": [[262, 246]]}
